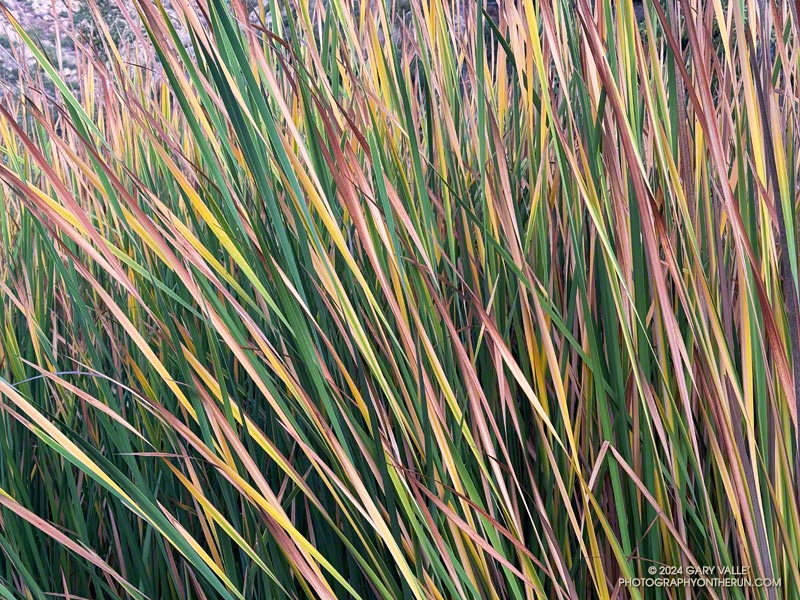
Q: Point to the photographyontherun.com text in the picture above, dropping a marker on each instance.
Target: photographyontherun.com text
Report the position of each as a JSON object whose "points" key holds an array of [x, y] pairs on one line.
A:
{"points": [[666, 576]]}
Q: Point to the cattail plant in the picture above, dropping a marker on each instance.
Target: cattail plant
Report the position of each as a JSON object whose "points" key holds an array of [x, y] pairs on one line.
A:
{"points": [[419, 300]]}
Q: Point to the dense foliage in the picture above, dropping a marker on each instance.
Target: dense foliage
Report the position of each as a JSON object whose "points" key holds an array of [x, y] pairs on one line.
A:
{"points": [[452, 303]]}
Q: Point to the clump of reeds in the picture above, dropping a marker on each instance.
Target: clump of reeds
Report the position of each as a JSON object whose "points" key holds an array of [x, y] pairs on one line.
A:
{"points": [[498, 306]]}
